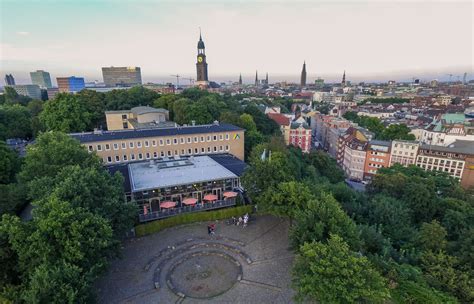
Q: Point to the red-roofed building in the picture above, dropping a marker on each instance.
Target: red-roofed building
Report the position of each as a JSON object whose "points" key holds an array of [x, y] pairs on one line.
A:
{"points": [[284, 122]]}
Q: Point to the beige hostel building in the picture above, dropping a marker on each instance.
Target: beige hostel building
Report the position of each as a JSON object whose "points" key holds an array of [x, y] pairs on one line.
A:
{"points": [[122, 146]]}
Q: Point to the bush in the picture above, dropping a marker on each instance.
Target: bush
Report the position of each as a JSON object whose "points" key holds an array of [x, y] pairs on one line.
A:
{"points": [[156, 226]]}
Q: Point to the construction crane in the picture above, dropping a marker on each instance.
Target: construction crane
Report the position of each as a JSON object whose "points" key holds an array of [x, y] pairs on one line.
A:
{"points": [[450, 76], [177, 80], [191, 80]]}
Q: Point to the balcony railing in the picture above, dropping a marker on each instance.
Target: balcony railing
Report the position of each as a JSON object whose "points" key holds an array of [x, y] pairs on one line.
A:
{"points": [[164, 213]]}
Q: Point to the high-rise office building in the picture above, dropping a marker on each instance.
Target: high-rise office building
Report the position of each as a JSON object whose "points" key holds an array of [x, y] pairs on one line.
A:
{"points": [[70, 84], [30, 90], [41, 78], [9, 80], [122, 76], [303, 75]]}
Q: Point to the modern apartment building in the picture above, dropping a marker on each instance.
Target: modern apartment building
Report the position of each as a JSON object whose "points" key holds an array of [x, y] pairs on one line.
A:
{"points": [[377, 156], [122, 76], [70, 84], [354, 159], [138, 118], [455, 160], [41, 78], [360, 134], [403, 152], [158, 143], [30, 90]]}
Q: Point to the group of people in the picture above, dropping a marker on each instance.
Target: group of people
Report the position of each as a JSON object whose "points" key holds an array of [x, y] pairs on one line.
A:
{"points": [[241, 221]]}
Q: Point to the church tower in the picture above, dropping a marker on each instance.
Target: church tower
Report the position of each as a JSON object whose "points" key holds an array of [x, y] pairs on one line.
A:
{"points": [[303, 75], [343, 82], [240, 79], [256, 78], [201, 64], [266, 79]]}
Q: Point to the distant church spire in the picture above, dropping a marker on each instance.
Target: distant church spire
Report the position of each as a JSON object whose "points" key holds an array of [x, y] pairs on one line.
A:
{"points": [[344, 78], [266, 79], [256, 78], [303, 75], [201, 64], [240, 79]]}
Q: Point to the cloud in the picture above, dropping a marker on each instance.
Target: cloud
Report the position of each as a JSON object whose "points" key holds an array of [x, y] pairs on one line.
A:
{"points": [[23, 33]]}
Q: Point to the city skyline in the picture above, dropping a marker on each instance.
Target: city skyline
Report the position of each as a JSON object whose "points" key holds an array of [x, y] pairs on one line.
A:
{"points": [[237, 41]]}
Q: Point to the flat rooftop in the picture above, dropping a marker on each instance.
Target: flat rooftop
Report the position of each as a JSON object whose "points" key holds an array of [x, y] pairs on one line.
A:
{"points": [[459, 146], [86, 137], [176, 172]]}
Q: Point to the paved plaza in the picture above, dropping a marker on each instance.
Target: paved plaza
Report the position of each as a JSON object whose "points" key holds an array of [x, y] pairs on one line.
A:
{"points": [[185, 265]]}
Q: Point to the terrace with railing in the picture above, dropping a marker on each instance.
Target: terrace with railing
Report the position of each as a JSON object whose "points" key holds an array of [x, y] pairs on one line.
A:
{"points": [[164, 213]]}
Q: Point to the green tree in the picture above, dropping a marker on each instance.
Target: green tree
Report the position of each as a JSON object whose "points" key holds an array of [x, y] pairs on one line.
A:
{"points": [[198, 113], [264, 124], [12, 199], [263, 174], [59, 233], [53, 151], [397, 131], [440, 272], [15, 122], [60, 282], [432, 237], [12, 97], [331, 273], [318, 219], [66, 113], [92, 189], [285, 199], [127, 99], [94, 103], [9, 164], [326, 166]]}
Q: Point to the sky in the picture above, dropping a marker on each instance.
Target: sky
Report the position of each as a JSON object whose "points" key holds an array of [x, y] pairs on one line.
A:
{"points": [[370, 40]]}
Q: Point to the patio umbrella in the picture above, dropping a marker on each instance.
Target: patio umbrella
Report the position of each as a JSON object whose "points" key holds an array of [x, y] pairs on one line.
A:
{"points": [[189, 201], [230, 194], [167, 204], [210, 197]]}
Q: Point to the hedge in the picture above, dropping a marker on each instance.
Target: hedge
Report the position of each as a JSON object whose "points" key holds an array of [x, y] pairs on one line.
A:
{"points": [[158, 225]]}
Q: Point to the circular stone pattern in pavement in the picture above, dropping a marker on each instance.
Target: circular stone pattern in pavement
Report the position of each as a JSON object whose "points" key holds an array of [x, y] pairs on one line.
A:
{"points": [[204, 275]]}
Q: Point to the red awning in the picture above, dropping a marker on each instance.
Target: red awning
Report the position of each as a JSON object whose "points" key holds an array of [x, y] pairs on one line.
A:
{"points": [[190, 201], [230, 194], [168, 204], [210, 197]]}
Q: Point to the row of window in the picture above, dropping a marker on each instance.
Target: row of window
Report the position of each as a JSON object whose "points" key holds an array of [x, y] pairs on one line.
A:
{"points": [[441, 162], [453, 172], [405, 146], [153, 143], [169, 153]]}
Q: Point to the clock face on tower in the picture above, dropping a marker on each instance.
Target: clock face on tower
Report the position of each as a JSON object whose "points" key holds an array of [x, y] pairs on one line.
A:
{"points": [[199, 59]]}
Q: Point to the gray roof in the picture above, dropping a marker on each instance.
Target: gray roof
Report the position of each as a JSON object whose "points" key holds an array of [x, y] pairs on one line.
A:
{"points": [[176, 172], [139, 110], [459, 146], [380, 143], [153, 132]]}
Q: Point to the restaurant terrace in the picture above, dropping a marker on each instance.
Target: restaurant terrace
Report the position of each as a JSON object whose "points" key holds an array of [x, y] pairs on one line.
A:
{"points": [[176, 185]]}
